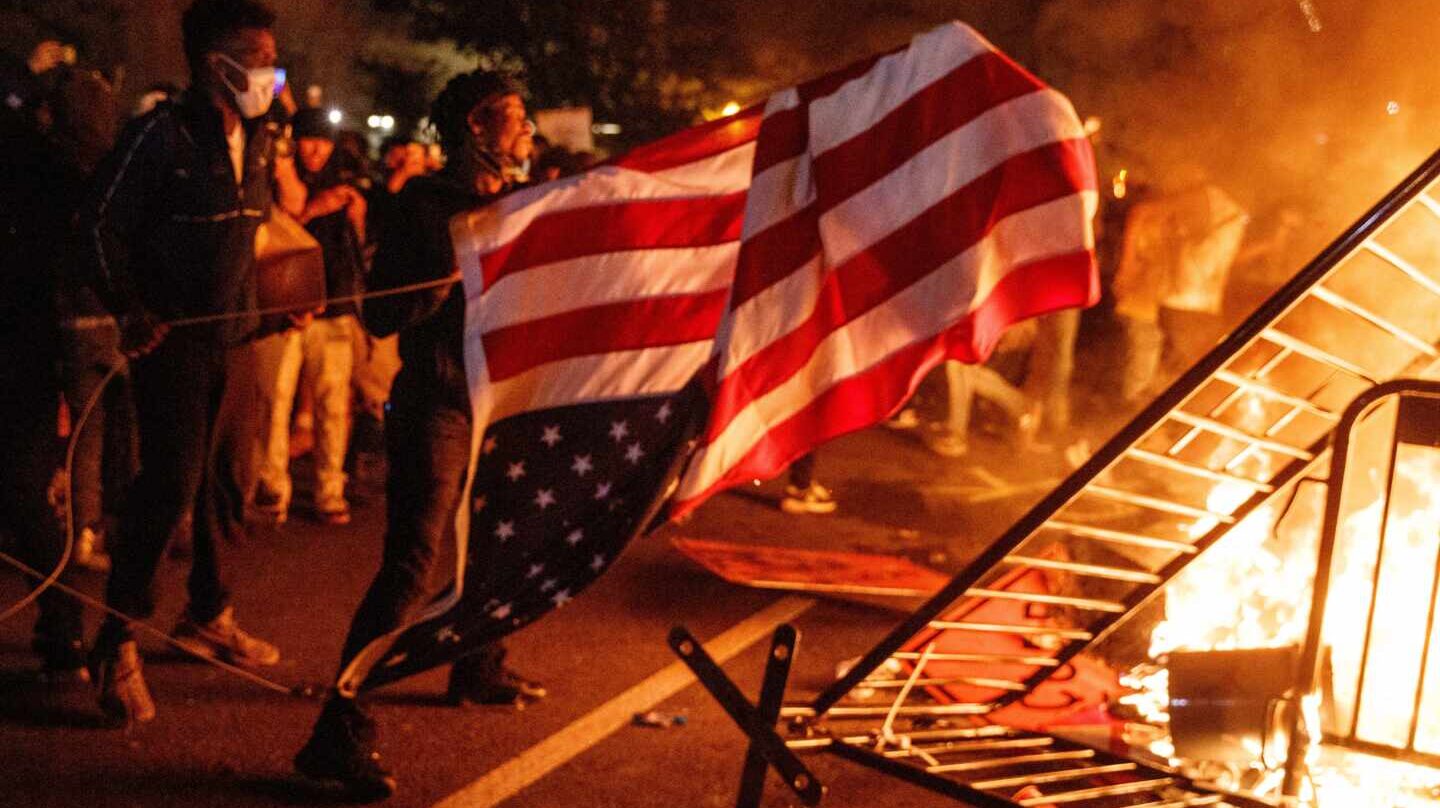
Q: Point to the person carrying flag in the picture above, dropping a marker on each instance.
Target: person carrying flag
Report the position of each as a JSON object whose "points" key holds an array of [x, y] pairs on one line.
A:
{"points": [[480, 117]]}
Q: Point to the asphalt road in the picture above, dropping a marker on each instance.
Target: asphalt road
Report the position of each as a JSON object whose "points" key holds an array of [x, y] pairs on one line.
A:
{"points": [[221, 741]]}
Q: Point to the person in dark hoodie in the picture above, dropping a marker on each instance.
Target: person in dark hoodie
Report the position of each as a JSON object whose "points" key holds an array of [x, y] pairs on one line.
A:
{"points": [[481, 120], [171, 219]]}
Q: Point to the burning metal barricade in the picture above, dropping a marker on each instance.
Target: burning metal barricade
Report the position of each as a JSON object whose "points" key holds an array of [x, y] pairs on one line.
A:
{"points": [[1233, 436], [1371, 651]]}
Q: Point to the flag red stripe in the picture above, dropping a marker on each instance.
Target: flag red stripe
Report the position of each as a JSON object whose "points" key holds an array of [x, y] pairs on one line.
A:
{"points": [[941, 108], [865, 398], [698, 143], [626, 326], [786, 132], [783, 138], [957, 98], [633, 225], [903, 257], [775, 253]]}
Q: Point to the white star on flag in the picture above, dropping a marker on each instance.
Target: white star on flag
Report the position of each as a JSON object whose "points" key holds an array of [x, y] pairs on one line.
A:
{"points": [[505, 530], [598, 563], [619, 430], [602, 490], [582, 465], [663, 414], [575, 536], [548, 585], [551, 436], [516, 470], [535, 570], [544, 498], [561, 598], [502, 612], [634, 453], [447, 634]]}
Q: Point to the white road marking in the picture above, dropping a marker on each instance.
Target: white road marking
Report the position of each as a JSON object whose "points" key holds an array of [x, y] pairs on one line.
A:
{"points": [[515, 774]]}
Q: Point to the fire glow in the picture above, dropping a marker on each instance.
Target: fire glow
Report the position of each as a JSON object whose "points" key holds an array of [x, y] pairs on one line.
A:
{"points": [[1266, 564]]}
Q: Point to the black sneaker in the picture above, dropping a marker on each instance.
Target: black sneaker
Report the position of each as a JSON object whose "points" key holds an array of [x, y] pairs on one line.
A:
{"points": [[503, 686], [341, 749]]}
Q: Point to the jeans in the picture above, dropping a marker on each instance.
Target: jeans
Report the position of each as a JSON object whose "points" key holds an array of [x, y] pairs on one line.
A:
{"points": [[964, 382], [194, 401], [105, 454], [322, 356], [1052, 364], [427, 447]]}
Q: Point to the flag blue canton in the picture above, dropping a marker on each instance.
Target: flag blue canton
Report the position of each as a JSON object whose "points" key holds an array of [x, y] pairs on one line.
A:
{"points": [[557, 495]]}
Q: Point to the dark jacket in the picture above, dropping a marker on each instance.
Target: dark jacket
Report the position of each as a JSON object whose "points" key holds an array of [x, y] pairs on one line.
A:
{"points": [[414, 246], [36, 188], [167, 227], [340, 245]]}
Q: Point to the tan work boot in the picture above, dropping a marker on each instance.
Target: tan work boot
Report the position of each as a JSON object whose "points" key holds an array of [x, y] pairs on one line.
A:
{"points": [[222, 639]]}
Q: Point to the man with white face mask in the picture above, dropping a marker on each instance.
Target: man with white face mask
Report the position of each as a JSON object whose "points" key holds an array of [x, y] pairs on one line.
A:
{"points": [[171, 224]]}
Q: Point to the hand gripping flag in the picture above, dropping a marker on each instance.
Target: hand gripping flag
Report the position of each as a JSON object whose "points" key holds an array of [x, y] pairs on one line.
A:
{"points": [[757, 285]]}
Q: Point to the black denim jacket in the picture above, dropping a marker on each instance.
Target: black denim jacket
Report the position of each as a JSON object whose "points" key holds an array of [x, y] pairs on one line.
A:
{"points": [[168, 229]]}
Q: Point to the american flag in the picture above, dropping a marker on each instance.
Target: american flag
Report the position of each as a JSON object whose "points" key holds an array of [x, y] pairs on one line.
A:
{"points": [[762, 283]]}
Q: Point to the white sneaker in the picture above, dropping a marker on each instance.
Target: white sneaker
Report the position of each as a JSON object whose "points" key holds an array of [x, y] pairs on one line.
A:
{"points": [[815, 499]]}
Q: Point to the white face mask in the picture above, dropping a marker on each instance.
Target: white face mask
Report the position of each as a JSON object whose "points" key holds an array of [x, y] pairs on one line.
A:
{"points": [[259, 93]]}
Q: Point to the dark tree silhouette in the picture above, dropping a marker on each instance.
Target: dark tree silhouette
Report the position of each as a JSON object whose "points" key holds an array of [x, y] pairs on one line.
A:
{"points": [[648, 65]]}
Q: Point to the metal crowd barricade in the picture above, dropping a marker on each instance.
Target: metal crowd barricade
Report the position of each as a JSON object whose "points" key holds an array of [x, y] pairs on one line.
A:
{"points": [[1252, 417]]}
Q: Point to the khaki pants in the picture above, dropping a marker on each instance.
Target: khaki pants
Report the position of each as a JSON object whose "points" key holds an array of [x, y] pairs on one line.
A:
{"points": [[322, 355]]}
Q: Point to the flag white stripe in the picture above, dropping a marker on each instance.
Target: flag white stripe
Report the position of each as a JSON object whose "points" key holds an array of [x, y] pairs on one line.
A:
{"points": [[1056, 228], [501, 223], [785, 305], [778, 193], [944, 167], [865, 100], [598, 377], [596, 280]]}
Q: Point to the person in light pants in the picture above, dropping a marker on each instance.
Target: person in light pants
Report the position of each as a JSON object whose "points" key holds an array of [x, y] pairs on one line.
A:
{"points": [[321, 353], [322, 356]]}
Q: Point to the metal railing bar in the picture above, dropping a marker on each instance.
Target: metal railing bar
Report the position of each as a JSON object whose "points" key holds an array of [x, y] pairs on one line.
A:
{"points": [[1156, 504], [1349, 306], [1101, 791], [1225, 430], [1258, 388], [1320, 355], [1086, 570], [1196, 470], [1013, 760], [1001, 628], [1393, 259], [1054, 777], [1121, 537], [1091, 604]]}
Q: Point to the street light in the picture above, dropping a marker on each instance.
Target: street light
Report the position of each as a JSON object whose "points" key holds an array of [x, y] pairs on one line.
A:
{"points": [[336, 116]]}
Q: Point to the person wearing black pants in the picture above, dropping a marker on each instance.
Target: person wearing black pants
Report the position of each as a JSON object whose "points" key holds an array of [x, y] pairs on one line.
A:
{"points": [[171, 221], [481, 120]]}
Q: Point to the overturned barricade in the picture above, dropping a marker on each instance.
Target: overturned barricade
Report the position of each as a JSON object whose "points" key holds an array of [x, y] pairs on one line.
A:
{"points": [[1224, 451]]}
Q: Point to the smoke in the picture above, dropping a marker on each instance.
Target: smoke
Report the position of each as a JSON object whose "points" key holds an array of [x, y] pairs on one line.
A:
{"points": [[1317, 105]]}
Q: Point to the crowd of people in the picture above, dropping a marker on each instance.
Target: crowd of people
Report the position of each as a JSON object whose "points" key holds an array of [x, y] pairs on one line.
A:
{"points": [[189, 291], [178, 286]]}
